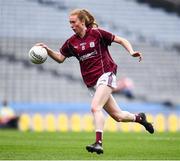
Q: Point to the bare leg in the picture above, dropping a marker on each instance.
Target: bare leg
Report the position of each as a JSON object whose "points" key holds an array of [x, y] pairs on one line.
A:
{"points": [[112, 108], [116, 113], [100, 98]]}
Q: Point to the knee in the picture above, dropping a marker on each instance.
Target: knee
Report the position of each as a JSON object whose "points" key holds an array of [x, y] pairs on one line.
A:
{"points": [[95, 108]]}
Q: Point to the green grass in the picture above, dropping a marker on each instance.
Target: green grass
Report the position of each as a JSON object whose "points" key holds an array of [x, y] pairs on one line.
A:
{"points": [[15, 145]]}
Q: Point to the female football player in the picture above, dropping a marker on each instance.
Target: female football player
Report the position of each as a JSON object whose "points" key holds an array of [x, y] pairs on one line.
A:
{"points": [[89, 45]]}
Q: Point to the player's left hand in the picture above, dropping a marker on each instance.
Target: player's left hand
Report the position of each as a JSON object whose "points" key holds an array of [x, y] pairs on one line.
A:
{"points": [[137, 54]]}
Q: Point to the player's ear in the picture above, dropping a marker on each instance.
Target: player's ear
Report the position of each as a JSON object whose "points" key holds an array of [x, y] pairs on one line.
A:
{"points": [[83, 22]]}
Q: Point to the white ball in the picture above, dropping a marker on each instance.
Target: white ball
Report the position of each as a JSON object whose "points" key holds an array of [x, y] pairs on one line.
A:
{"points": [[38, 54]]}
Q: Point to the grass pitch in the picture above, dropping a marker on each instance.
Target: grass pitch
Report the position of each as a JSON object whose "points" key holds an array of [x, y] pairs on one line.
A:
{"points": [[16, 145]]}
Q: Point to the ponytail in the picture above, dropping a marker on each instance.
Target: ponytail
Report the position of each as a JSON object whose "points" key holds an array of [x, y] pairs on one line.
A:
{"points": [[85, 16]]}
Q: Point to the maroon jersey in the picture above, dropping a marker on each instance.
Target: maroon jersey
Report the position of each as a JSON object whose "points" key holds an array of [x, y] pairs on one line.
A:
{"points": [[92, 53]]}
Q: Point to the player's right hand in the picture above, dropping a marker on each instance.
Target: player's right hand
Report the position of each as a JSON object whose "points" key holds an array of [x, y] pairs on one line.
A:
{"points": [[42, 44]]}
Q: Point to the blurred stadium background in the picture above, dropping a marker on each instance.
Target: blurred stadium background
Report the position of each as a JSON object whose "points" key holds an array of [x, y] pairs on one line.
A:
{"points": [[53, 97]]}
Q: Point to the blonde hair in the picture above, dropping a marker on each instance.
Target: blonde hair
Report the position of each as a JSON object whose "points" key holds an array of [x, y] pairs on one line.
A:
{"points": [[86, 16]]}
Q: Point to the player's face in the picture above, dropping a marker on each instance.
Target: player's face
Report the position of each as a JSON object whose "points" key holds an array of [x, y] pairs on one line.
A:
{"points": [[76, 25]]}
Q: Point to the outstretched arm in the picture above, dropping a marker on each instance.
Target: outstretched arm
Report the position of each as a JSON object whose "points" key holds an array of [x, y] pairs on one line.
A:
{"points": [[126, 44], [57, 56]]}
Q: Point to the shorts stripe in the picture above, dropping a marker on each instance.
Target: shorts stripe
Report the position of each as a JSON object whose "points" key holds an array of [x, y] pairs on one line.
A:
{"points": [[110, 79]]}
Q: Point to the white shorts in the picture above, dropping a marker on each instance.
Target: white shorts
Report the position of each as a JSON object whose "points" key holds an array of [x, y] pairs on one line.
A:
{"points": [[108, 79]]}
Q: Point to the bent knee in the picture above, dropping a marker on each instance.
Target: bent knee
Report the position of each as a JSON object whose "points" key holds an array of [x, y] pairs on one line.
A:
{"points": [[95, 109]]}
